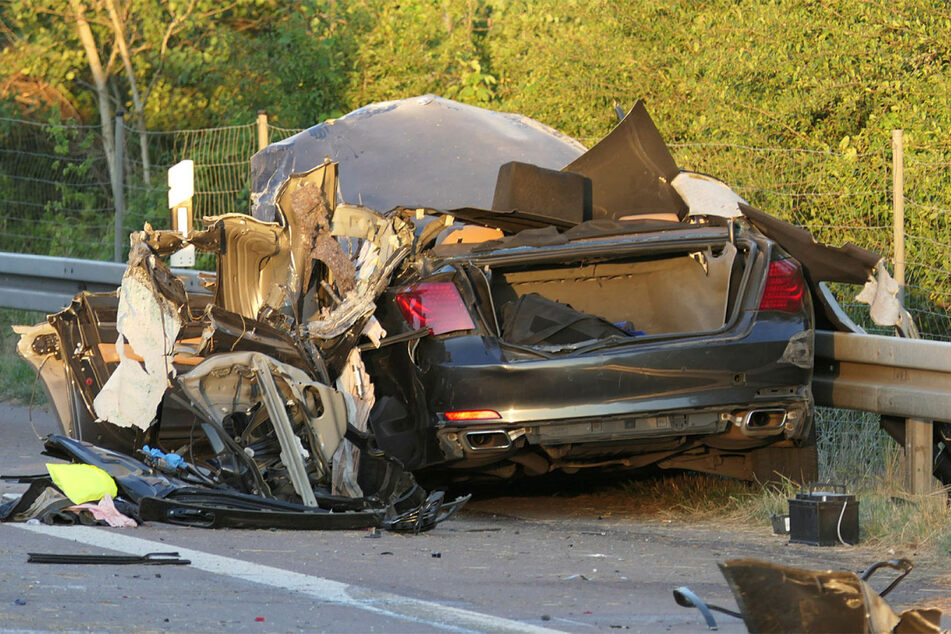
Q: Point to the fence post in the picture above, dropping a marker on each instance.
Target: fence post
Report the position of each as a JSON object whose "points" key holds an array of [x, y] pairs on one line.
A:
{"points": [[898, 207], [918, 433], [118, 186], [262, 130]]}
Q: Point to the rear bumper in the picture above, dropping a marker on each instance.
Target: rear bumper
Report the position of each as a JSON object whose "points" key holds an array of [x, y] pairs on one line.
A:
{"points": [[760, 424], [749, 368]]}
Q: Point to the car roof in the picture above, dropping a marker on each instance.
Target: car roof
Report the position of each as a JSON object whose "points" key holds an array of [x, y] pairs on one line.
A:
{"points": [[422, 151]]}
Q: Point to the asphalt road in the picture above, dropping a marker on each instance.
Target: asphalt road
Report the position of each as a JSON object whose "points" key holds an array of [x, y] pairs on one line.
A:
{"points": [[574, 562]]}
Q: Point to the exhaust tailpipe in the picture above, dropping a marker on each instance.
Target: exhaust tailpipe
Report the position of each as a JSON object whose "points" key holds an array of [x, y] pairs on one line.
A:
{"points": [[763, 422], [487, 439]]}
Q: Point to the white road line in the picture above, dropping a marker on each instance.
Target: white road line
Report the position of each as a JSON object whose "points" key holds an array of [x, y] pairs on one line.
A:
{"points": [[345, 594]]}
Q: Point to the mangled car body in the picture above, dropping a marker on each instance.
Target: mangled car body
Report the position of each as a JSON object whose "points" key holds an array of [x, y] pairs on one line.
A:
{"points": [[432, 287]]}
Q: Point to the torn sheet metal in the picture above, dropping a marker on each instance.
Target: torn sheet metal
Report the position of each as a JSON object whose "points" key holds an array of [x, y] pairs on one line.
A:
{"points": [[150, 322], [377, 245], [306, 205], [631, 170], [254, 269], [774, 598], [225, 331], [38, 346], [309, 418], [820, 262]]}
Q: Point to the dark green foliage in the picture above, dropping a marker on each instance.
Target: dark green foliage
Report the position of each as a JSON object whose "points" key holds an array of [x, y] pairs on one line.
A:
{"points": [[788, 72]]}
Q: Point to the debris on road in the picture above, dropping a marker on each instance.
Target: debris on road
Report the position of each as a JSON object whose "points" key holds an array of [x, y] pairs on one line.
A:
{"points": [[149, 559], [824, 515], [774, 598]]}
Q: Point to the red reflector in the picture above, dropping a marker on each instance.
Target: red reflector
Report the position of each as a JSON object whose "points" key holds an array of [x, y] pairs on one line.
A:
{"points": [[434, 305], [472, 414], [784, 289]]}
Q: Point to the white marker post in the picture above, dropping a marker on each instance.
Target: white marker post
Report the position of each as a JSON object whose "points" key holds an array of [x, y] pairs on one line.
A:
{"points": [[181, 188]]}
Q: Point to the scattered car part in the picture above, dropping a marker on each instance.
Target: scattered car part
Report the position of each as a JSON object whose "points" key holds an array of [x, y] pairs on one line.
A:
{"points": [[824, 515], [774, 598], [150, 559], [39, 500], [204, 509], [684, 597]]}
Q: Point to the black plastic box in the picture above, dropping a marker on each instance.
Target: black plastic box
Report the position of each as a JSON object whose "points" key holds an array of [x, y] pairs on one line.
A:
{"points": [[824, 518]]}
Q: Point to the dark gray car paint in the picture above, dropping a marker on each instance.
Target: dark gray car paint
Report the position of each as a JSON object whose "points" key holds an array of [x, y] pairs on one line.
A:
{"points": [[422, 151]]}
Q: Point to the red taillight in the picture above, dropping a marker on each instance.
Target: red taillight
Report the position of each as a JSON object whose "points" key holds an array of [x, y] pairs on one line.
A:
{"points": [[434, 305], [472, 414], [785, 288]]}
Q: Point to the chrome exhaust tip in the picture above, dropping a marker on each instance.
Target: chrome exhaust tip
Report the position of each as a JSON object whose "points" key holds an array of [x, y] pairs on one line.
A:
{"points": [[758, 422], [483, 440]]}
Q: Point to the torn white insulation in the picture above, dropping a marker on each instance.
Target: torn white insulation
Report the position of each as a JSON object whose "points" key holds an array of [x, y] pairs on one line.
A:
{"points": [[150, 323], [885, 308], [374, 331]]}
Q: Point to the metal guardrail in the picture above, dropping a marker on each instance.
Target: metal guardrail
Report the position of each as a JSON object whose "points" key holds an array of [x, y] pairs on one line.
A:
{"points": [[906, 378], [48, 284]]}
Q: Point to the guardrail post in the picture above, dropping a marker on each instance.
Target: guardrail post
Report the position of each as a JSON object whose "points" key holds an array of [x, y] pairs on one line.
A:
{"points": [[118, 186], [263, 136], [918, 450]]}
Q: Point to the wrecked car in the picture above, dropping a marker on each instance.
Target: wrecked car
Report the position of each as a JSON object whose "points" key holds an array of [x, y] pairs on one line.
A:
{"points": [[428, 287], [596, 308]]}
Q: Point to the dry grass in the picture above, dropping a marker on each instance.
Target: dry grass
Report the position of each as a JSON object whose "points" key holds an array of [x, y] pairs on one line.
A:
{"points": [[888, 518], [690, 496], [853, 451]]}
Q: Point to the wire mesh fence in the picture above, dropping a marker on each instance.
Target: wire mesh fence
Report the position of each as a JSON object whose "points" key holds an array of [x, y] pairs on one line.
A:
{"points": [[56, 198], [56, 195], [221, 165], [852, 446], [928, 234], [55, 190]]}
